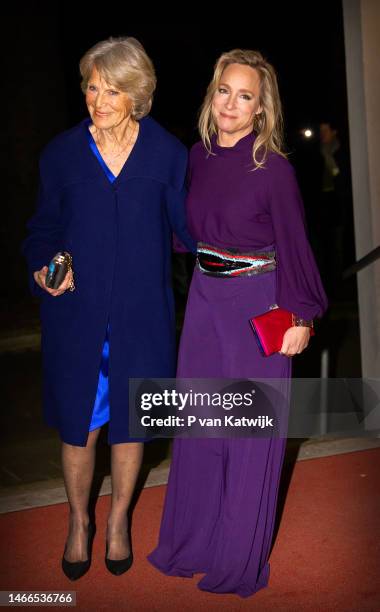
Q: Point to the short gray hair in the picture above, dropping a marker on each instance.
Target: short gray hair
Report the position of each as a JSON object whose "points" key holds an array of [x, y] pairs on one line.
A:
{"points": [[123, 63]]}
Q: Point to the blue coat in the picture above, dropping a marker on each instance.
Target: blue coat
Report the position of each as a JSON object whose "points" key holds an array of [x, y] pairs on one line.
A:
{"points": [[120, 237]]}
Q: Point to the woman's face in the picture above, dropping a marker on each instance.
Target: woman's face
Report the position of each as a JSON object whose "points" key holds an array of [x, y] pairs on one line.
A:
{"points": [[107, 105], [236, 100]]}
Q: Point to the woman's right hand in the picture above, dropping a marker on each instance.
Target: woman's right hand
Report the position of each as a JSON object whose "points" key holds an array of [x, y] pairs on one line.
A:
{"points": [[40, 278]]}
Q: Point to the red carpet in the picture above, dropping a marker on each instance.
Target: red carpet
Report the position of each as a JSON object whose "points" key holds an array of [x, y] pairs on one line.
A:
{"points": [[326, 556]]}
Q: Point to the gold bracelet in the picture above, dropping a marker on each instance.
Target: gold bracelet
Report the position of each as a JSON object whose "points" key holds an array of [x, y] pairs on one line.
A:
{"points": [[69, 260]]}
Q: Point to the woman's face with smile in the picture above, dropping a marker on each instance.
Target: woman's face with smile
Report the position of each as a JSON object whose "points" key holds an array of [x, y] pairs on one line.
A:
{"points": [[107, 105], [236, 100]]}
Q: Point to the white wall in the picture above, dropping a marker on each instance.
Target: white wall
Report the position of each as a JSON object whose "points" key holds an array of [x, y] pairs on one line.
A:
{"points": [[362, 46]]}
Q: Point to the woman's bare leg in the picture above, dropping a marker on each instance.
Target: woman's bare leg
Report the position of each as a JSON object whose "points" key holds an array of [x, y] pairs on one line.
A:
{"points": [[125, 466], [78, 470]]}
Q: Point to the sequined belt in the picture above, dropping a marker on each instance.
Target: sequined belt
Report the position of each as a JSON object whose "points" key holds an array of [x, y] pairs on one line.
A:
{"points": [[216, 261]]}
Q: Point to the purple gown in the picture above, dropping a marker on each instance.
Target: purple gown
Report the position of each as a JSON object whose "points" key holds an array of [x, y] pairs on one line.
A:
{"points": [[221, 497]]}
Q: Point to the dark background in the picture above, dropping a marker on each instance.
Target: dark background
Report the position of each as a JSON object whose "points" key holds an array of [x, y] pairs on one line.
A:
{"points": [[42, 96]]}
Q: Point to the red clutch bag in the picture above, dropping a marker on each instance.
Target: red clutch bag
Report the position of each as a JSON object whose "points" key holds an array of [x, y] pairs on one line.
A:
{"points": [[269, 329]]}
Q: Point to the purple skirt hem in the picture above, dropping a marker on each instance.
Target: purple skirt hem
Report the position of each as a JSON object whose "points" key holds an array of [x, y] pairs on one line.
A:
{"points": [[171, 572]]}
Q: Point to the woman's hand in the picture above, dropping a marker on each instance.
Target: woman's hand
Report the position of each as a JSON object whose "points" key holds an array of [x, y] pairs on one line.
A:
{"points": [[40, 278], [295, 340]]}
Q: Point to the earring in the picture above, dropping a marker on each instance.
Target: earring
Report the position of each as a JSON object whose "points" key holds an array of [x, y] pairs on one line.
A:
{"points": [[257, 120]]}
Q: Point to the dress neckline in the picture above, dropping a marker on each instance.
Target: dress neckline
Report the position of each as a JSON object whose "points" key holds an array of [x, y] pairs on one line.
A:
{"points": [[243, 145], [111, 177]]}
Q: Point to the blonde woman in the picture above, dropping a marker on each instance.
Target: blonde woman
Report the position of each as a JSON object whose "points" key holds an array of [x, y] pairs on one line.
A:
{"points": [[243, 200], [111, 194]]}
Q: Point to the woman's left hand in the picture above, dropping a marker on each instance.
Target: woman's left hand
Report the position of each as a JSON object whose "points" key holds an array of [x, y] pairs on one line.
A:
{"points": [[295, 340]]}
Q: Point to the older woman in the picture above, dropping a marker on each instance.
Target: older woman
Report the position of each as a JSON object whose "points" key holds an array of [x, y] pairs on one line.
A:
{"points": [[243, 200], [111, 193]]}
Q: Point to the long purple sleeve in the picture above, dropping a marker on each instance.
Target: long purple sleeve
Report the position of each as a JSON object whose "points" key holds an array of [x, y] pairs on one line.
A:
{"points": [[299, 286], [231, 206]]}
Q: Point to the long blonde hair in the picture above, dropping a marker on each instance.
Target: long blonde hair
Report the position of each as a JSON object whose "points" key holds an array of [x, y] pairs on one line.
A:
{"points": [[268, 125]]}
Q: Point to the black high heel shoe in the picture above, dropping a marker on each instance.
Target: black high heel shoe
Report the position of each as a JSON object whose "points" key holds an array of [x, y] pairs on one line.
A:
{"points": [[76, 569], [118, 567]]}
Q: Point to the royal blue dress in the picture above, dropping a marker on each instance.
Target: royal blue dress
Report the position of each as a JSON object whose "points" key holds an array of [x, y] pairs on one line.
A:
{"points": [[101, 412]]}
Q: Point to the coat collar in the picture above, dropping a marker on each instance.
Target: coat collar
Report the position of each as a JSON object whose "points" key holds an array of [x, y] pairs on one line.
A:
{"points": [[150, 158]]}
